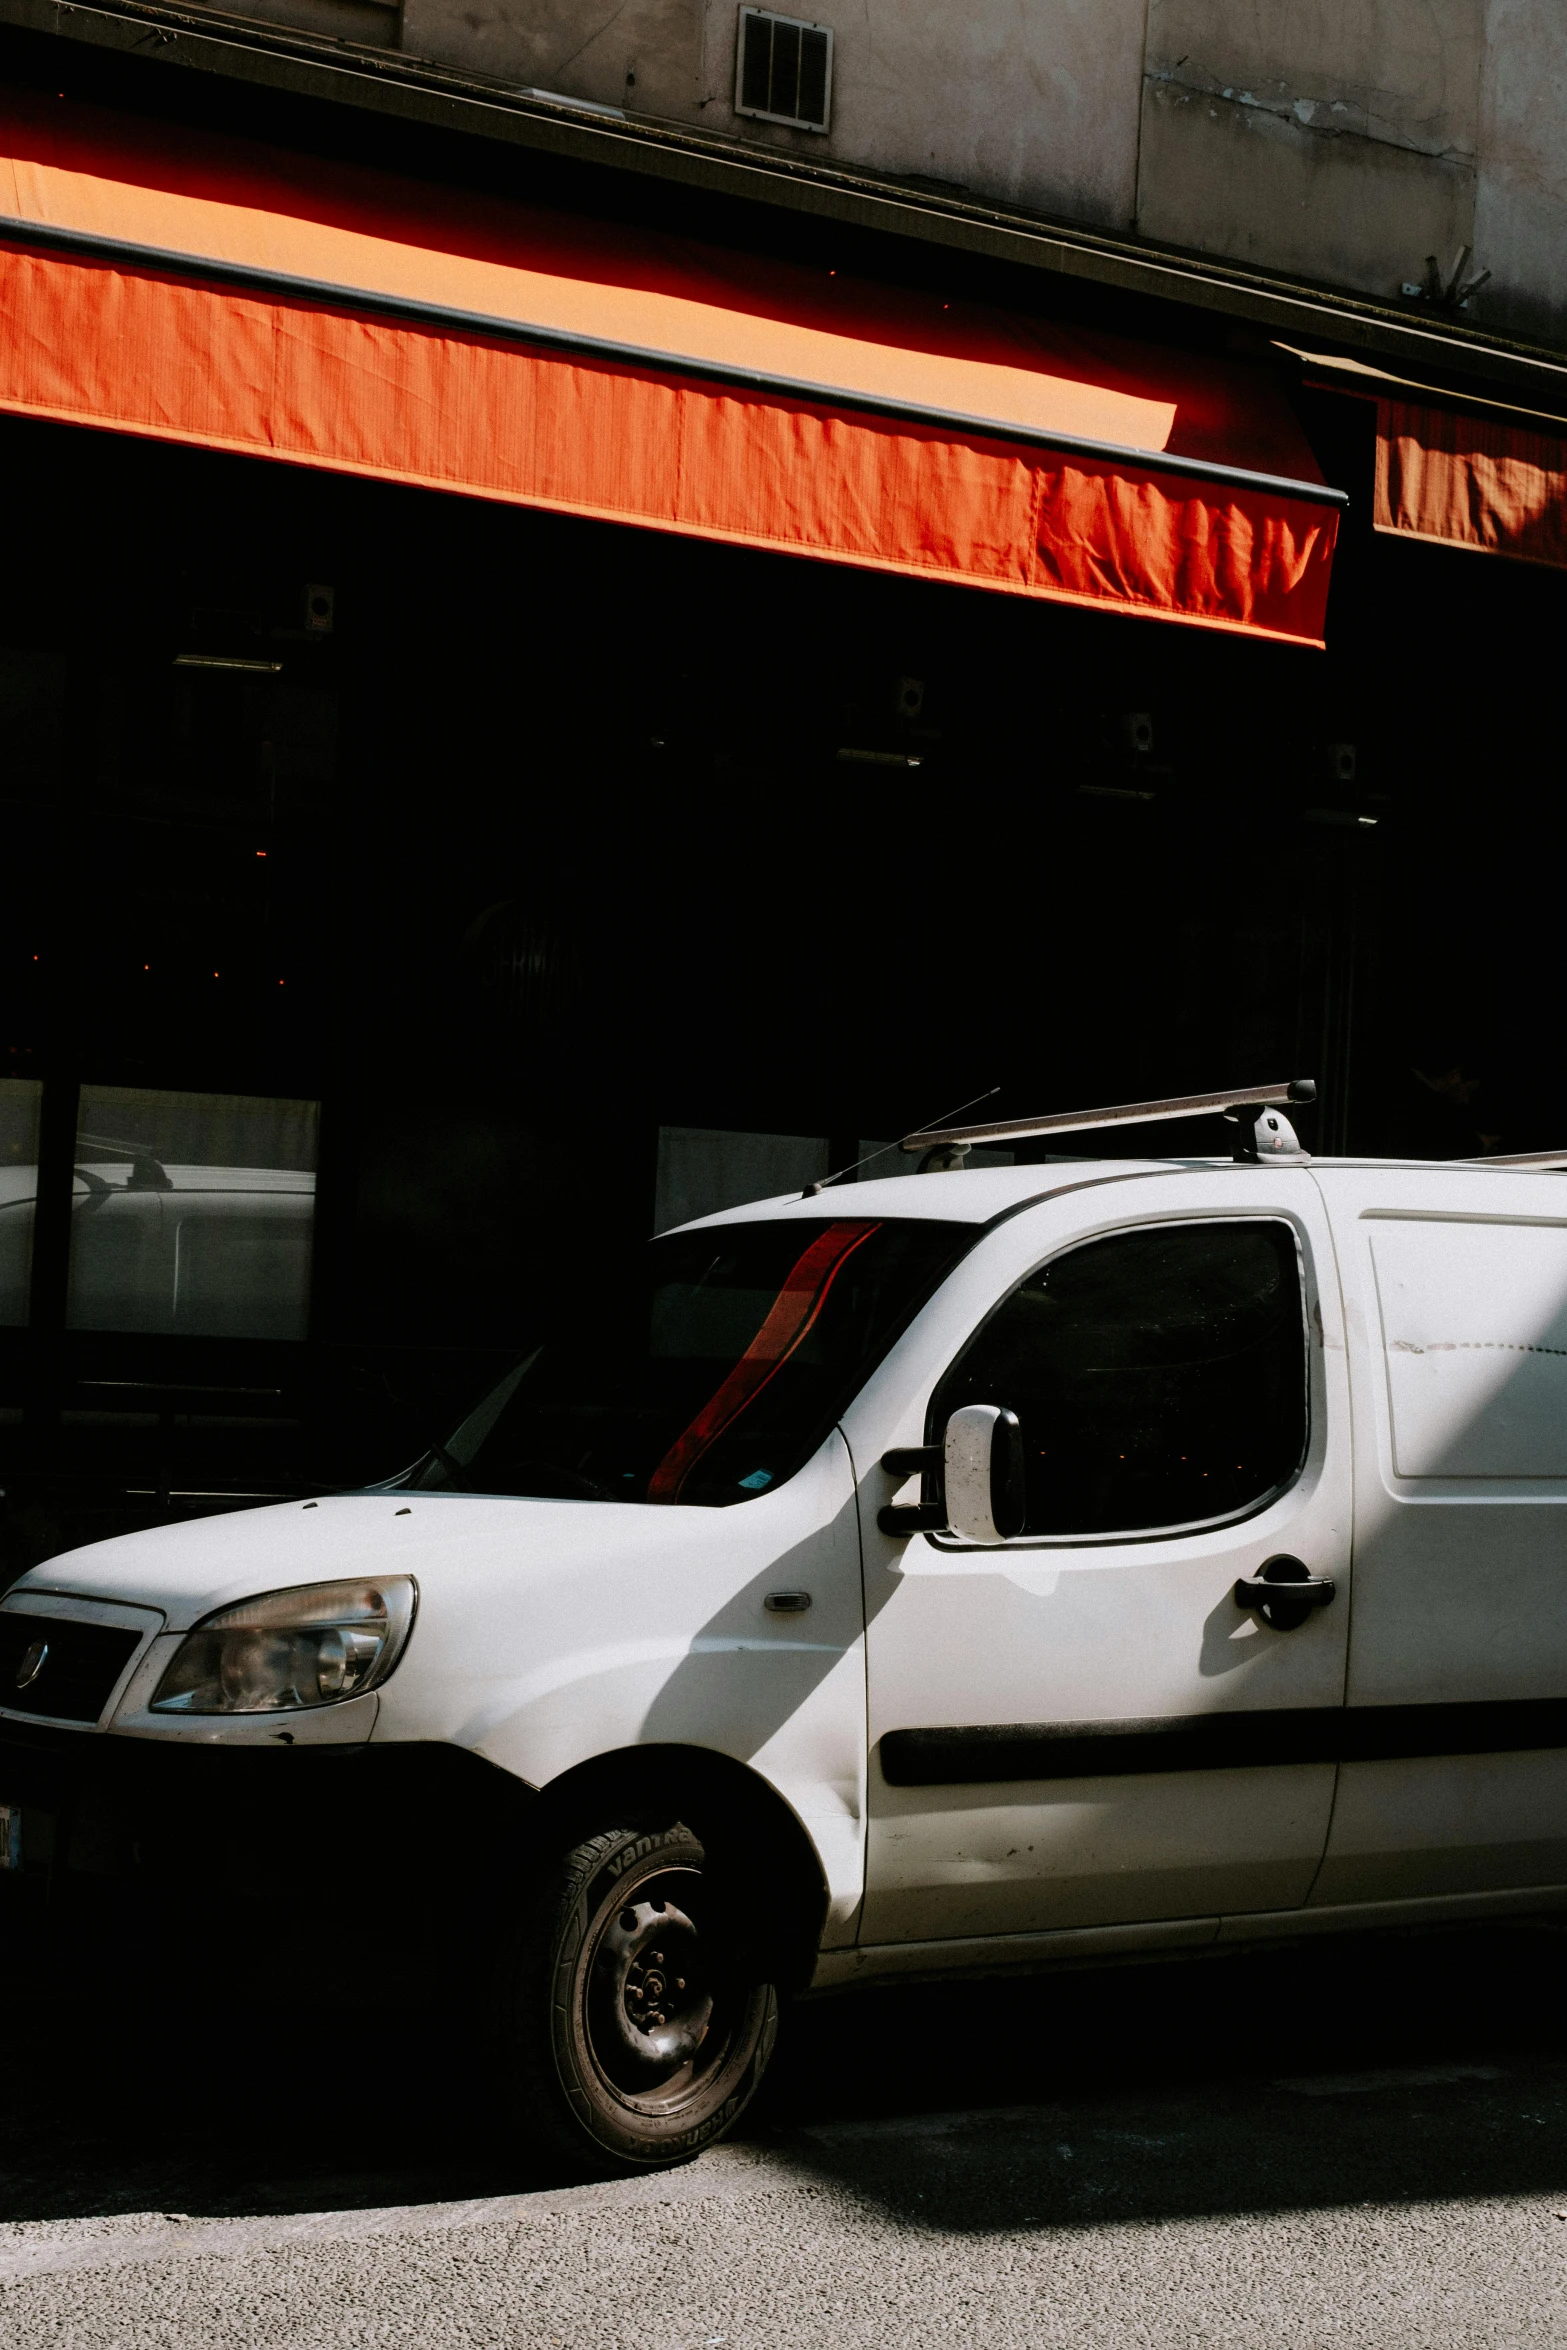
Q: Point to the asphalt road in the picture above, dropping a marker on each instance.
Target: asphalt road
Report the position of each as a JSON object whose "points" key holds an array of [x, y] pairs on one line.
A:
{"points": [[1366, 2145]]}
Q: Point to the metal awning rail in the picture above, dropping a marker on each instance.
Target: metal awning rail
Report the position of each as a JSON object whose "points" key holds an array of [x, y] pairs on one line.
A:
{"points": [[446, 319]]}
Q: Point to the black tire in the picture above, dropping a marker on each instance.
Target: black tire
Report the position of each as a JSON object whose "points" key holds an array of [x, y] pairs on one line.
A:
{"points": [[638, 2028]]}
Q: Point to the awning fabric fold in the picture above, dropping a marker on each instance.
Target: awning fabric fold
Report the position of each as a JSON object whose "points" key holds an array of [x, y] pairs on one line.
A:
{"points": [[158, 281], [1471, 480]]}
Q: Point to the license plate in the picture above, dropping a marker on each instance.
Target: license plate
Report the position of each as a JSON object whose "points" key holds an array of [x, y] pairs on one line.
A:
{"points": [[10, 1836]]}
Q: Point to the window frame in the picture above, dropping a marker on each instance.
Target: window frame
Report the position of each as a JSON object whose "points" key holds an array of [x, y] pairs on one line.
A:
{"points": [[943, 1539], [803, 24]]}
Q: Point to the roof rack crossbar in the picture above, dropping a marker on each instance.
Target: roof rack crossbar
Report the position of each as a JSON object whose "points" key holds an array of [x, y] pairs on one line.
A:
{"points": [[148, 1172], [1192, 1105], [1517, 1159]]}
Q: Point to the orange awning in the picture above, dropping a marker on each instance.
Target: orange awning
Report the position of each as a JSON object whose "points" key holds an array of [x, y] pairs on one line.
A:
{"points": [[161, 281], [1471, 480]]}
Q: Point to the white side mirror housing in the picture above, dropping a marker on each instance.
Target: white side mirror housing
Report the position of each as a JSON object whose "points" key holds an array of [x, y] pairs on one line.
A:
{"points": [[982, 1468]]}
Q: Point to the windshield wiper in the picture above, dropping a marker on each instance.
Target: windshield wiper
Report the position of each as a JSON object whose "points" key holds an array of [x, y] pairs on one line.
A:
{"points": [[453, 1468]]}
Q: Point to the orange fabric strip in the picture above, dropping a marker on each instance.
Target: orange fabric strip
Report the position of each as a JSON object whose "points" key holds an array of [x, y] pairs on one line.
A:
{"points": [[89, 171], [1471, 481], [137, 351], [791, 1315]]}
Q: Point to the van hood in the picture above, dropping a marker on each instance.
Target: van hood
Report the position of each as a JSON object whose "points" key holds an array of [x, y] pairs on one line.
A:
{"points": [[199, 1564]]}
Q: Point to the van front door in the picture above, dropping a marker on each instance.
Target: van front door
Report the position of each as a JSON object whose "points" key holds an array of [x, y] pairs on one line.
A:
{"points": [[1082, 1727]]}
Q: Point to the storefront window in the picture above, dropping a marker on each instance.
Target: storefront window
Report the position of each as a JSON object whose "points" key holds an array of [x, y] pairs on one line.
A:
{"points": [[193, 1214], [19, 1098]]}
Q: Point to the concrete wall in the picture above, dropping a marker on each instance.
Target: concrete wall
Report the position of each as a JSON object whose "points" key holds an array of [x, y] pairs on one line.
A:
{"points": [[1351, 140], [1333, 139], [1034, 101], [1521, 205], [1345, 141], [647, 54]]}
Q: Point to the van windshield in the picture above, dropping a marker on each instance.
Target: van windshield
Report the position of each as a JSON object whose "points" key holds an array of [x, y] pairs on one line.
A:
{"points": [[712, 1374]]}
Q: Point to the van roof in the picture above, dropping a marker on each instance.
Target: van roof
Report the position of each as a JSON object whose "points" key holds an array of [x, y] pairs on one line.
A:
{"points": [[974, 1195]]}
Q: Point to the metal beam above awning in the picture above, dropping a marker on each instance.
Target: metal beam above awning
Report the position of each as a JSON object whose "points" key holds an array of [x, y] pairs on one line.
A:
{"points": [[160, 281]]}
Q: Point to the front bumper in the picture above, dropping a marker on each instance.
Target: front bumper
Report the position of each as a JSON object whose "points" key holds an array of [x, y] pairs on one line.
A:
{"points": [[300, 1838]]}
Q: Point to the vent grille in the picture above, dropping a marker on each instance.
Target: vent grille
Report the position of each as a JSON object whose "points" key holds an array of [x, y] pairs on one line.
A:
{"points": [[73, 1680], [784, 70]]}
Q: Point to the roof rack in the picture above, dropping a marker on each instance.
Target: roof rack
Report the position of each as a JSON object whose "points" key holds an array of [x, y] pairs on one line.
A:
{"points": [[148, 1172], [1264, 1133], [1516, 1159]]}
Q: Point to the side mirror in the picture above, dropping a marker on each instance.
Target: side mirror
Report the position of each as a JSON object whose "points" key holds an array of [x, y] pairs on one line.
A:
{"points": [[982, 1473]]}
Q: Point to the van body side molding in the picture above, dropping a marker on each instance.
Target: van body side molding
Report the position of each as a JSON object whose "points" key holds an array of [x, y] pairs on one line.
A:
{"points": [[997, 1752]]}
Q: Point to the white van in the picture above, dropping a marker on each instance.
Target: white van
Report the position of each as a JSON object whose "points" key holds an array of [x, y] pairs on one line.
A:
{"points": [[1006, 1568]]}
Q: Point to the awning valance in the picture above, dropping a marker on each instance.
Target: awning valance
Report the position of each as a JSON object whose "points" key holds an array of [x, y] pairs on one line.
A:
{"points": [[157, 281], [1468, 479]]}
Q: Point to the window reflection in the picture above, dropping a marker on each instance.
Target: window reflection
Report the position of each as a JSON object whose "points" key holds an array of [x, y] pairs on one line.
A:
{"points": [[192, 1214], [1160, 1376], [19, 1098]]}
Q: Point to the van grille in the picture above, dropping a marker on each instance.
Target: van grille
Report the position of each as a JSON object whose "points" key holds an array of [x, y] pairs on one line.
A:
{"points": [[80, 1666]]}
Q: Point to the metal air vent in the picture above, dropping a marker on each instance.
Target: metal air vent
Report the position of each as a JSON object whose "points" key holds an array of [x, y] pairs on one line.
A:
{"points": [[783, 70]]}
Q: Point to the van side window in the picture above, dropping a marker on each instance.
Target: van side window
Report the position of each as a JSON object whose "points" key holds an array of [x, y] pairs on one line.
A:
{"points": [[1159, 1376]]}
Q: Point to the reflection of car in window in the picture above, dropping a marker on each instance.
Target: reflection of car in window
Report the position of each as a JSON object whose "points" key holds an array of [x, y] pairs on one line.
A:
{"points": [[192, 1251], [18, 1195]]}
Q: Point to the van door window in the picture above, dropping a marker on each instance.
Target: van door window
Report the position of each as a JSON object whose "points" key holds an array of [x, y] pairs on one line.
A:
{"points": [[1159, 1376]]}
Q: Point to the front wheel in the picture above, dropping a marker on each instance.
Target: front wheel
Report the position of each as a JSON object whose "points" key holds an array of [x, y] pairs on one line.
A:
{"points": [[638, 2024]]}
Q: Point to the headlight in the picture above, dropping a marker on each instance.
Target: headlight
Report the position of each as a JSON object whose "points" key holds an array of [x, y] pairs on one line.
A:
{"points": [[291, 1648]]}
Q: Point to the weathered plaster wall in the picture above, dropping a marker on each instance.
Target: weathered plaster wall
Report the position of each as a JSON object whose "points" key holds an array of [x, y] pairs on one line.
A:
{"points": [[370, 22], [1030, 100], [1521, 204], [647, 54], [1338, 140], [1332, 139]]}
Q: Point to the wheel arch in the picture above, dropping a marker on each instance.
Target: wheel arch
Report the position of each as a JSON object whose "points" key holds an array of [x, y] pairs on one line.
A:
{"points": [[724, 1802]]}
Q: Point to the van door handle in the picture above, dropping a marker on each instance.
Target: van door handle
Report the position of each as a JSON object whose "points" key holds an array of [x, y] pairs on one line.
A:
{"points": [[1284, 1591]]}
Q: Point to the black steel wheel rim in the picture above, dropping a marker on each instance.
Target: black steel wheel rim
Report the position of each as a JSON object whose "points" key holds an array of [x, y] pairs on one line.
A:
{"points": [[657, 2013]]}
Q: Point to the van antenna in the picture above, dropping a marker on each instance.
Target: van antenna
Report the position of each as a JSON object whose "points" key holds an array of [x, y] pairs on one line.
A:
{"points": [[888, 1148]]}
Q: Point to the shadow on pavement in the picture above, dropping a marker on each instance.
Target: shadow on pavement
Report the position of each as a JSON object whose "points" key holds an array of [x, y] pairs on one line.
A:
{"points": [[1395, 2070], [1400, 2069]]}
